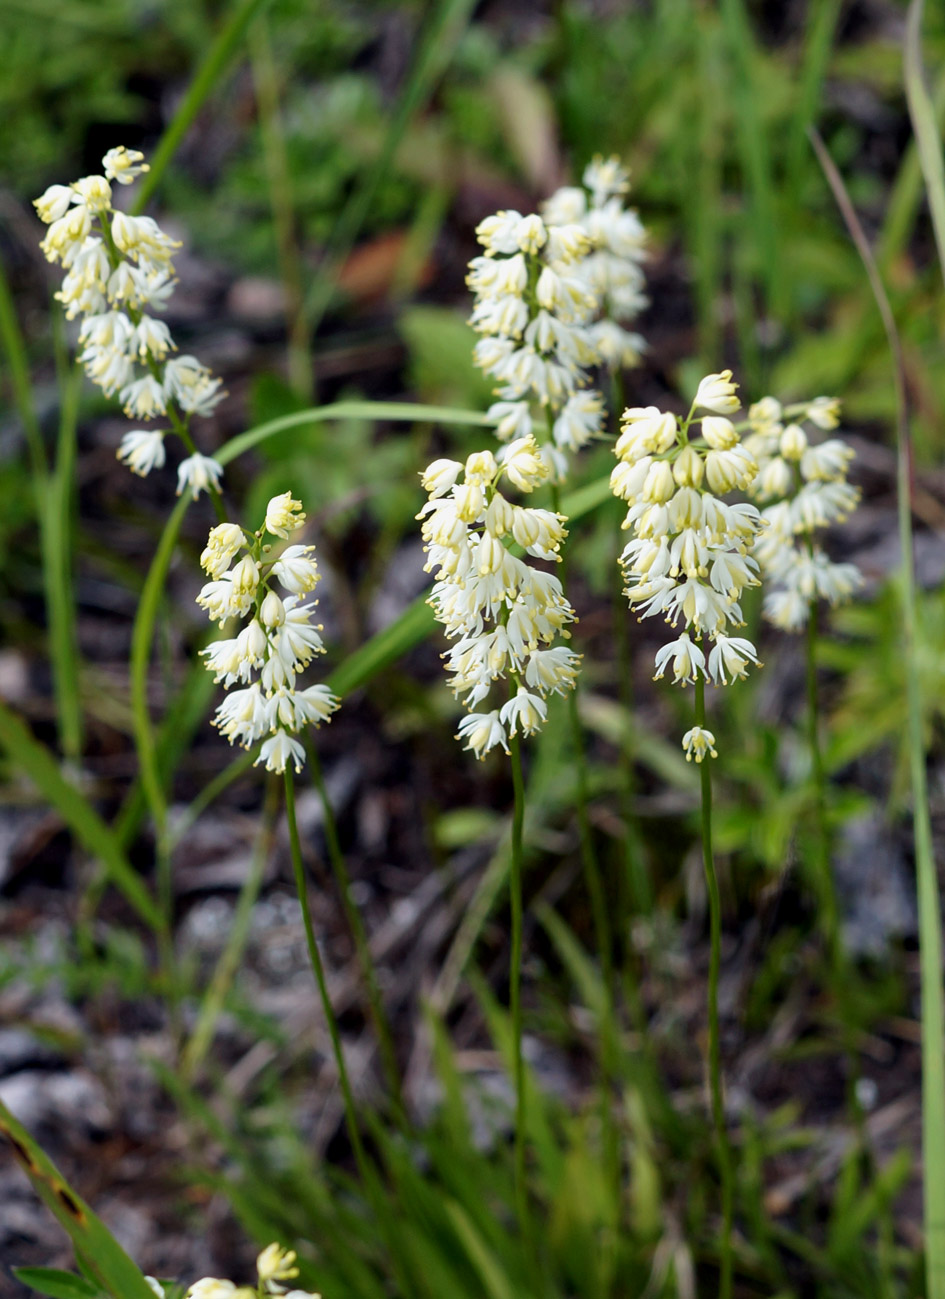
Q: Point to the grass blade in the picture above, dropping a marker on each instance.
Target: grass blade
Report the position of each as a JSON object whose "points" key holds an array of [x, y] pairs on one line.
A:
{"points": [[39, 766], [929, 902], [926, 133], [58, 541], [401, 411], [11, 337], [91, 1239], [208, 75]]}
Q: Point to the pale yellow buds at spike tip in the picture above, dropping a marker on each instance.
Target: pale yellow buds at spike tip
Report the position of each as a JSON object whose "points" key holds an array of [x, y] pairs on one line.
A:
{"points": [[439, 477], [824, 412], [95, 192], [697, 743], [793, 442], [480, 466], [720, 433], [762, 414], [716, 392], [688, 468], [283, 515], [225, 540], [276, 1264]]}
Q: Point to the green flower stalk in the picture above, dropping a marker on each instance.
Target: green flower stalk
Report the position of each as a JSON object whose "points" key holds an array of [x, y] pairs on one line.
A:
{"points": [[689, 560]]}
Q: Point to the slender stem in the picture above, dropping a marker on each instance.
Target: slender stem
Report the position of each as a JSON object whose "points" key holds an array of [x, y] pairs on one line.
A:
{"points": [[515, 990], [318, 970], [592, 874], [715, 1049], [927, 887], [339, 869]]}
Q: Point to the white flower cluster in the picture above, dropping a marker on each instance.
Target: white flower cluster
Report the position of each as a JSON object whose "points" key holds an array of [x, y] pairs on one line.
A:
{"points": [[118, 270], [502, 613], [612, 268], [803, 488], [532, 308], [689, 556], [278, 641], [274, 1265]]}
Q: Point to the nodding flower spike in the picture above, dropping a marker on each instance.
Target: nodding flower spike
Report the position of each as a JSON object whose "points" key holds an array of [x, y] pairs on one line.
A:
{"points": [[119, 272], [501, 615], [688, 559], [276, 644]]}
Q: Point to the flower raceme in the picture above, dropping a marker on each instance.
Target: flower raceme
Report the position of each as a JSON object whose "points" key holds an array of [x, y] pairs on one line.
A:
{"points": [[502, 614], [532, 309], [689, 554], [802, 487], [612, 268], [277, 642], [118, 272]]}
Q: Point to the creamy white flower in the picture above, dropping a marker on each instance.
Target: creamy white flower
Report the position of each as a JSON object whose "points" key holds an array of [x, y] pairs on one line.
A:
{"points": [[276, 1264], [123, 164], [277, 753], [142, 451], [283, 515], [296, 569], [716, 392], [524, 712], [272, 611], [732, 655], [143, 399], [198, 473], [824, 412], [224, 542], [54, 203], [482, 733], [697, 742], [688, 660], [94, 192]]}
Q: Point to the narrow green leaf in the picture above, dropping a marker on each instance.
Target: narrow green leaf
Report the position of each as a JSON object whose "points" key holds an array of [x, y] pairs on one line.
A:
{"points": [[384, 648], [377, 410], [926, 132], [11, 337], [208, 75], [57, 1284], [57, 534], [111, 1266], [497, 1285], [929, 900], [38, 764]]}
